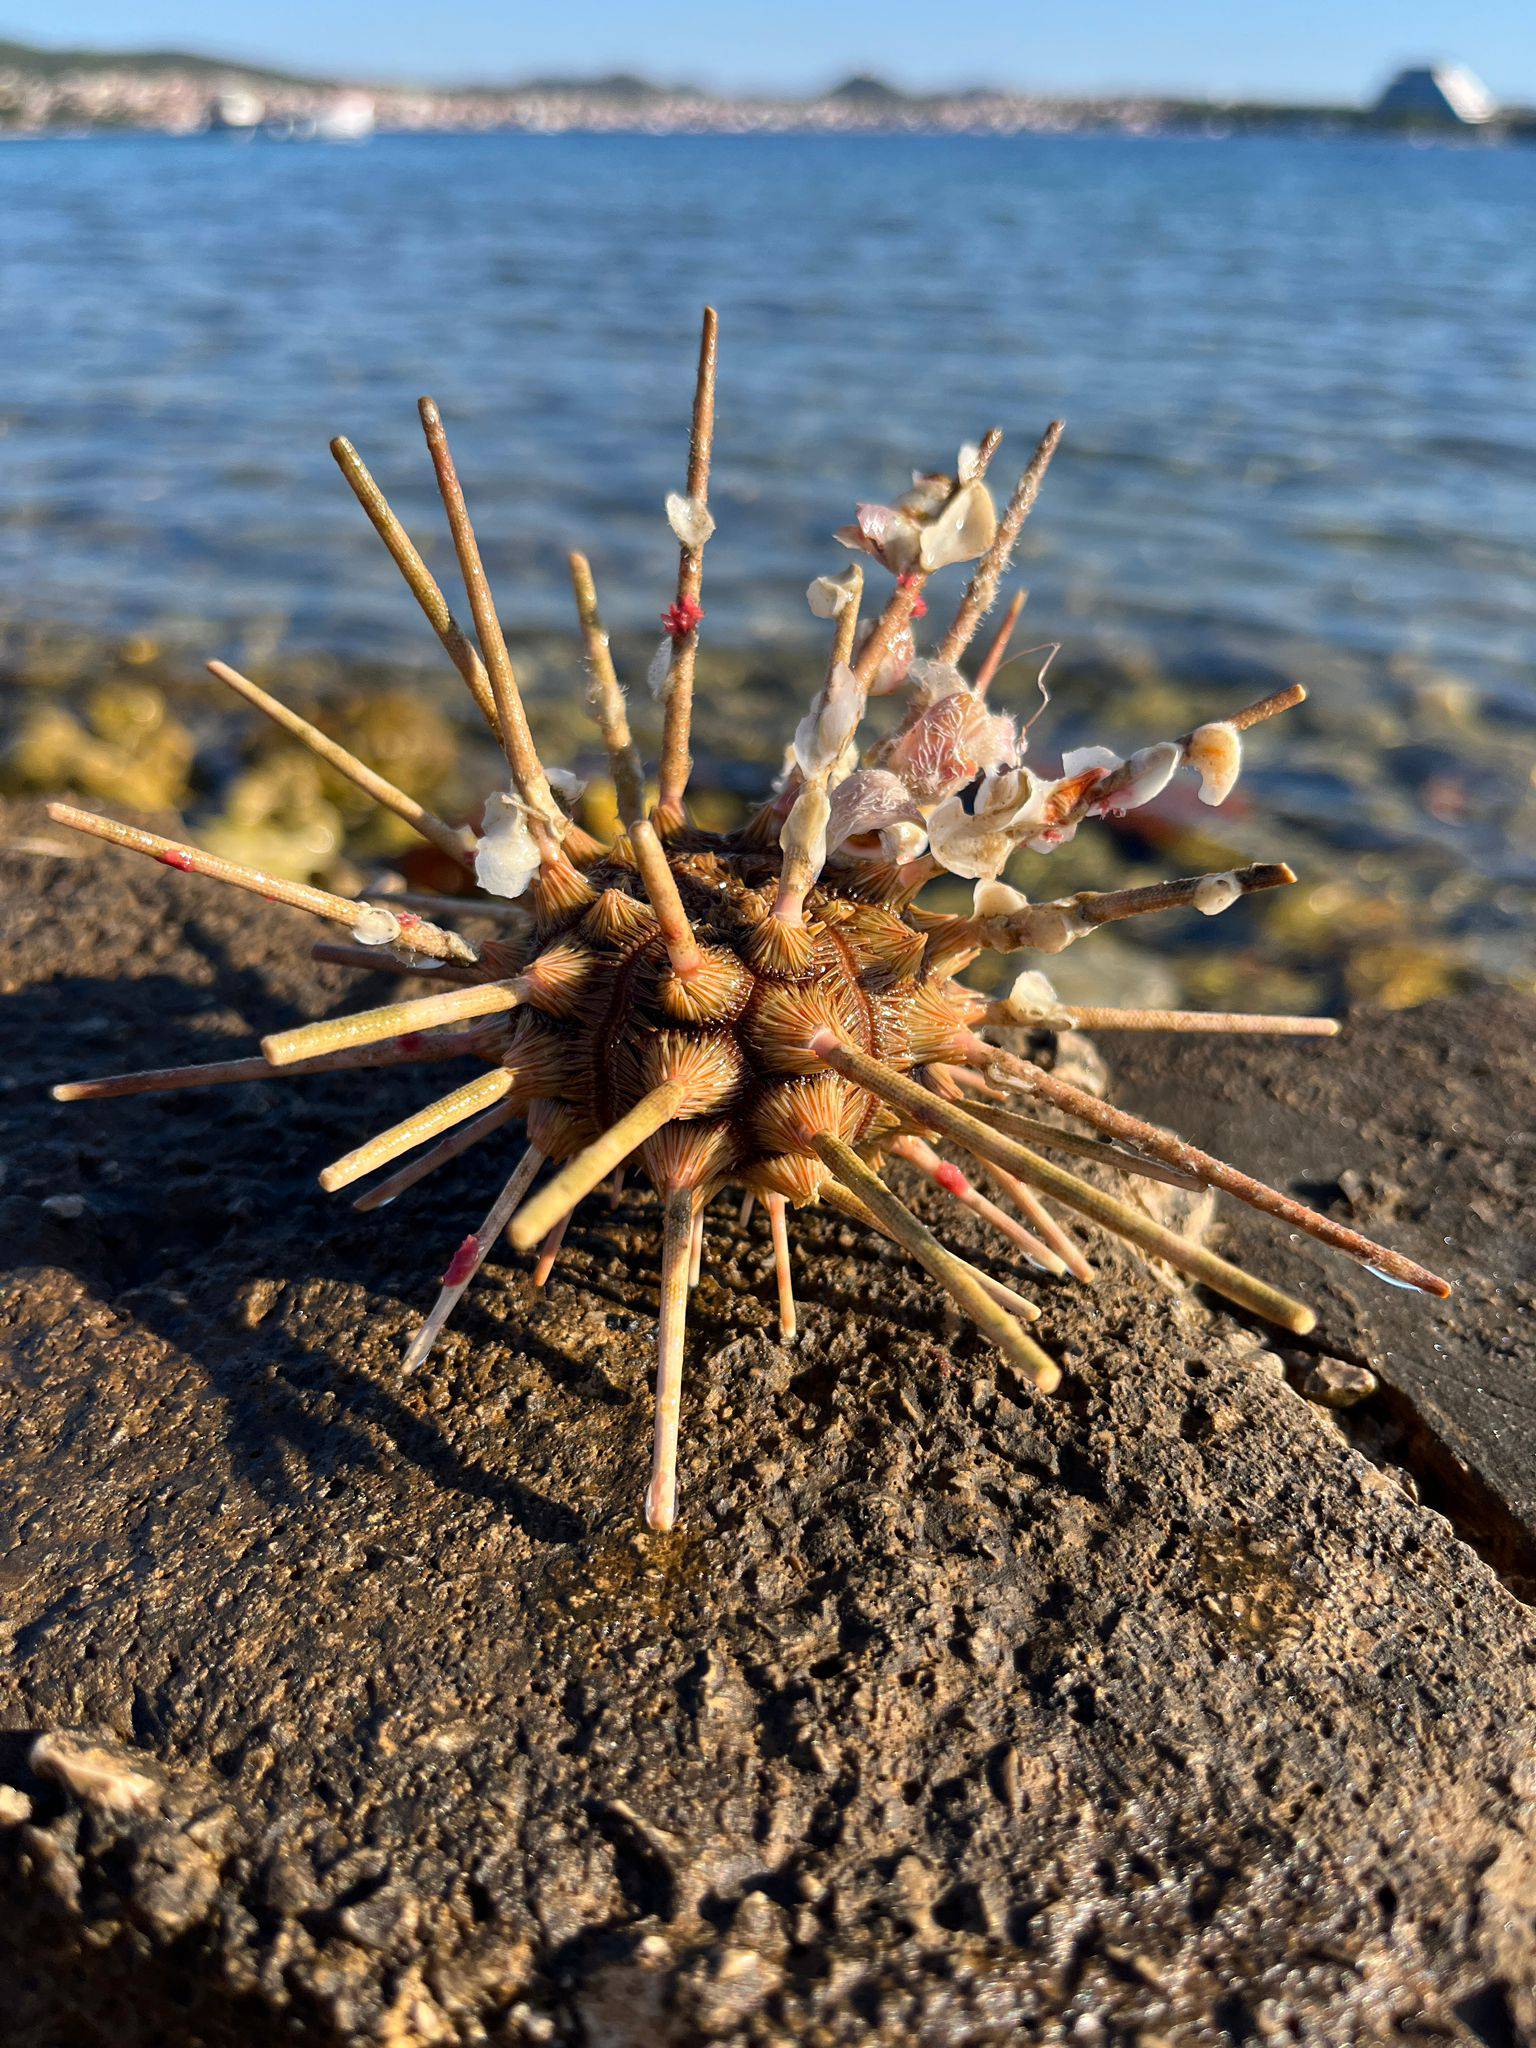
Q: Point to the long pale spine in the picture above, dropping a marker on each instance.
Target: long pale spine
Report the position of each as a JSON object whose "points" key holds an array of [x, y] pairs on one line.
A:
{"points": [[366, 1027], [470, 1257], [956, 1279], [607, 698], [1216, 1173], [677, 1236], [415, 1130], [981, 592], [985, 1143], [457, 1142], [419, 579], [590, 1167], [457, 844], [677, 727], [528, 775], [414, 932]]}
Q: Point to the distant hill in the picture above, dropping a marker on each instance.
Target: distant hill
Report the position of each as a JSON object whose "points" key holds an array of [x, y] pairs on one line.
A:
{"points": [[36, 62], [868, 92], [612, 85], [865, 90]]}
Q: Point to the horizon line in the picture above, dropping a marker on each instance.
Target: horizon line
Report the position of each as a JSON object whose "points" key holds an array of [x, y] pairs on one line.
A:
{"points": [[618, 72]]}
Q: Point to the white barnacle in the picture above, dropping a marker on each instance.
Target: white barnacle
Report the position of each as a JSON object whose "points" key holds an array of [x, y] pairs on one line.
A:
{"points": [[1010, 922], [962, 531], [803, 835], [1033, 997], [690, 519], [903, 841], [1149, 772], [1052, 928], [827, 596], [1136, 781], [997, 899], [506, 858], [1215, 752], [824, 732], [375, 926], [1216, 893], [1077, 760], [1009, 807], [884, 531], [966, 845]]}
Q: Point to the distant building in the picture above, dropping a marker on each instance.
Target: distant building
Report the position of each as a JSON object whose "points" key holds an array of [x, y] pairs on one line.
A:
{"points": [[1444, 93]]}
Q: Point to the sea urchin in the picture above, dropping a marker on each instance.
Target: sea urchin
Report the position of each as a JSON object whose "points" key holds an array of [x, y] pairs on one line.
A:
{"points": [[767, 1010]]}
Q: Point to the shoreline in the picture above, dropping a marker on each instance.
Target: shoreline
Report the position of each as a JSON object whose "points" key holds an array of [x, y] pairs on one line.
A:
{"points": [[1216, 127], [1388, 909], [184, 96]]}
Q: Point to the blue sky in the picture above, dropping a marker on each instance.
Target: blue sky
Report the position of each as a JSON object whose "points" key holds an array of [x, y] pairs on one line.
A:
{"points": [[1279, 49]]}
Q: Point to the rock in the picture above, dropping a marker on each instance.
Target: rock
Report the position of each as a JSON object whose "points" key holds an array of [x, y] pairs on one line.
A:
{"points": [[1418, 1127], [1187, 1211], [1079, 1060], [1333, 1383], [1156, 1711], [384, 1919], [1268, 1362], [98, 1773], [176, 1884]]}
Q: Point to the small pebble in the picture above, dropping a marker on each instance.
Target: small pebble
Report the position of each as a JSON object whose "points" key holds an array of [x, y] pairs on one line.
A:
{"points": [[1333, 1384], [66, 1207], [1270, 1363], [96, 1775], [15, 1807]]}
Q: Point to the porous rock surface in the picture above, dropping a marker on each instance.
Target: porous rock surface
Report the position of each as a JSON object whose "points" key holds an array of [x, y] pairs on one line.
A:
{"points": [[352, 1707], [1416, 1124]]}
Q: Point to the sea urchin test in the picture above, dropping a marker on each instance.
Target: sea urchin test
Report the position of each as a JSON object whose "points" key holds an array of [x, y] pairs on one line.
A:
{"points": [[769, 1011]]}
